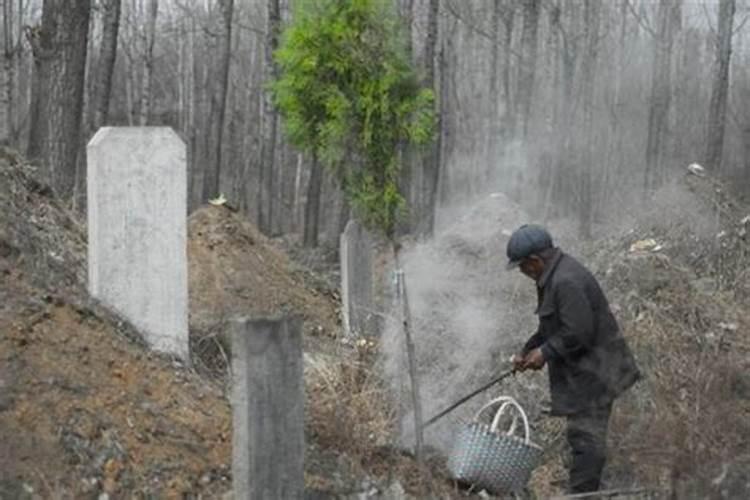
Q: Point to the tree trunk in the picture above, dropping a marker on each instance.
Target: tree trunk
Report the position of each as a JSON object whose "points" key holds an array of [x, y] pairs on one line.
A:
{"points": [[527, 68], [7, 79], [588, 77], [661, 91], [492, 125], [509, 14], [406, 8], [59, 48], [717, 110], [431, 162], [312, 205], [41, 43], [148, 65], [410, 160], [212, 180], [270, 125], [561, 190], [21, 93], [106, 63]]}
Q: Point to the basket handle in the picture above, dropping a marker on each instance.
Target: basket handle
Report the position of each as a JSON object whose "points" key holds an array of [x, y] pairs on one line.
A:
{"points": [[507, 402], [495, 421]]}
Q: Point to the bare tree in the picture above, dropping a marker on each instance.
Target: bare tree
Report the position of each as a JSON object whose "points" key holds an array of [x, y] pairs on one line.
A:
{"points": [[508, 17], [266, 184], [59, 47], [661, 92], [7, 79], [148, 64], [312, 205], [493, 110], [211, 183], [106, 61], [717, 110], [527, 67], [431, 162], [587, 173]]}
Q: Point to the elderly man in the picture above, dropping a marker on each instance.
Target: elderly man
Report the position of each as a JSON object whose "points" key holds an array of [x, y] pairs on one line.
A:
{"points": [[578, 338]]}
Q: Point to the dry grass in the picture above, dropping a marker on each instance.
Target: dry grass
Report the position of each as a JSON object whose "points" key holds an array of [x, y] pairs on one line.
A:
{"points": [[349, 407], [685, 426], [350, 410]]}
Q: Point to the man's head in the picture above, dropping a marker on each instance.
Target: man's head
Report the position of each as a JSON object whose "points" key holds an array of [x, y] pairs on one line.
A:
{"points": [[528, 248]]}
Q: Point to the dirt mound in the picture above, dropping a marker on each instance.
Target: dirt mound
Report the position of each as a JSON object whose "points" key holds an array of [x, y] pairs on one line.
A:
{"points": [[37, 232], [235, 270], [83, 410]]}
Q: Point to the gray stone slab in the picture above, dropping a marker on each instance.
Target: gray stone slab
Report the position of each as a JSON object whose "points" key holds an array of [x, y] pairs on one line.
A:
{"points": [[355, 252], [268, 402], [137, 227]]}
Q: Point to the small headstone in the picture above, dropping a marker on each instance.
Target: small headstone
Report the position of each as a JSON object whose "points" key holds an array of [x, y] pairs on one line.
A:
{"points": [[137, 227], [356, 279], [268, 402]]}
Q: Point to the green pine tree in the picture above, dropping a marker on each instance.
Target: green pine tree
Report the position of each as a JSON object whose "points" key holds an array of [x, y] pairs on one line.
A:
{"points": [[347, 89]]}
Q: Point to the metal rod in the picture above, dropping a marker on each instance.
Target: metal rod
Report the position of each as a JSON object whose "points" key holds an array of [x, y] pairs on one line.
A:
{"points": [[608, 493], [502, 376]]}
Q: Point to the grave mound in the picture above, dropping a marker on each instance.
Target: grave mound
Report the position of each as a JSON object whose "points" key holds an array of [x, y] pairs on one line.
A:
{"points": [[234, 269]]}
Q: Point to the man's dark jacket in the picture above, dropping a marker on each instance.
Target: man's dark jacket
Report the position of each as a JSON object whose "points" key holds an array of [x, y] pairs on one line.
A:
{"points": [[588, 360]]}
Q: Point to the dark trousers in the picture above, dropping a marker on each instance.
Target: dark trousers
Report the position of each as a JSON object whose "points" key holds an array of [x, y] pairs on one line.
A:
{"points": [[587, 437]]}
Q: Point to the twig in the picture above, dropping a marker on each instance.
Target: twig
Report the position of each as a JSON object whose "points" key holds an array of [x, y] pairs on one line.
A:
{"points": [[640, 20]]}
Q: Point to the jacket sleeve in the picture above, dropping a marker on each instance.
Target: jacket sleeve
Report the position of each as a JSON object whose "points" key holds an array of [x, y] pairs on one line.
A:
{"points": [[576, 330], [534, 341]]}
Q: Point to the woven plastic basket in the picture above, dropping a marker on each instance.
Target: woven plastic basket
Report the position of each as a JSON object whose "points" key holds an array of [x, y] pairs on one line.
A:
{"points": [[499, 462]]}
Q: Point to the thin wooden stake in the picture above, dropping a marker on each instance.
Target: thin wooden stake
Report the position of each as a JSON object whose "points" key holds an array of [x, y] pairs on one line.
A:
{"points": [[411, 356]]}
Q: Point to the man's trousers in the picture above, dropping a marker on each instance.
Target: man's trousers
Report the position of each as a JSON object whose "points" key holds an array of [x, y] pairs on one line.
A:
{"points": [[587, 437]]}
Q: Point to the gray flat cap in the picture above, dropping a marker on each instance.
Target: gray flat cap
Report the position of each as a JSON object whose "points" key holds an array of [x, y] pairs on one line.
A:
{"points": [[527, 240]]}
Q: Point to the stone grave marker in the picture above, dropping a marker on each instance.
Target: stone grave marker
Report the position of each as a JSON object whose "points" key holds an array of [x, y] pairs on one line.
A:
{"points": [[356, 279], [137, 231]]}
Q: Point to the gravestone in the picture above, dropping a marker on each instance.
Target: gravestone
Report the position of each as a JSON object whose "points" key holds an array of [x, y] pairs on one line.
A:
{"points": [[268, 402], [137, 228], [355, 252]]}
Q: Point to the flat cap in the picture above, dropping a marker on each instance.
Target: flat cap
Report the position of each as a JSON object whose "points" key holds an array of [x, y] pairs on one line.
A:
{"points": [[527, 240]]}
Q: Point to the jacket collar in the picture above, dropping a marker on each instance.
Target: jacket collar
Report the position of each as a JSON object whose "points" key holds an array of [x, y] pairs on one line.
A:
{"points": [[550, 268]]}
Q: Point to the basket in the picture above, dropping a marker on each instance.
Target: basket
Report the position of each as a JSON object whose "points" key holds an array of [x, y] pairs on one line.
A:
{"points": [[499, 462]]}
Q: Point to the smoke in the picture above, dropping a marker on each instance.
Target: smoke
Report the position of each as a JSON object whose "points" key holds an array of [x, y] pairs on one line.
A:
{"points": [[469, 314]]}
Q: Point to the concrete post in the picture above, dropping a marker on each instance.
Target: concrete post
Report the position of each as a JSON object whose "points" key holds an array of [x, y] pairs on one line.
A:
{"points": [[268, 403]]}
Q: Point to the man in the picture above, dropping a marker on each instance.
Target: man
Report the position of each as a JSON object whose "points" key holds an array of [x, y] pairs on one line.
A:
{"points": [[578, 338]]}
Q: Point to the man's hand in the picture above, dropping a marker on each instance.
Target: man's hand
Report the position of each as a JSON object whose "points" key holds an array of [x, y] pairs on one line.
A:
{"points": [[518, 362], [534, 360]]}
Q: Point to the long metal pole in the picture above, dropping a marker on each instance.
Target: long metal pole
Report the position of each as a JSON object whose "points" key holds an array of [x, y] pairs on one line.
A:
{"points": [[504, 375]]}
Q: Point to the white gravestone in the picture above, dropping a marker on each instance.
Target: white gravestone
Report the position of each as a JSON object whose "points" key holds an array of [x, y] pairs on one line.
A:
{"points": [[137, 227], [355, 252]]}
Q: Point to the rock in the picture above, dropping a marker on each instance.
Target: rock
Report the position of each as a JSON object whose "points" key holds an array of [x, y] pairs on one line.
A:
{"points": [[6, 400], [646, 245], [705, 285], [696, 169], [395, 492]]}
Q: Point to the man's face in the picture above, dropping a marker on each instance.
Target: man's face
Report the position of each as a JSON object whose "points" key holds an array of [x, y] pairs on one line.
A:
{"points": [[532, 266]]}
